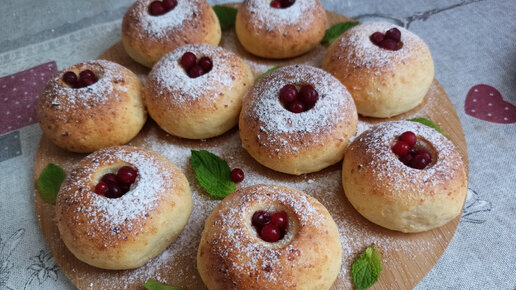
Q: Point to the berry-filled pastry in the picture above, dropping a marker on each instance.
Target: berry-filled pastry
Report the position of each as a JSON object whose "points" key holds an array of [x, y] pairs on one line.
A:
{"points": [[404, 176], [196, 91], [280, 28], [92, 105], [269, 237], [297, 119], [121, 206], [151, 28], [387, 69]]}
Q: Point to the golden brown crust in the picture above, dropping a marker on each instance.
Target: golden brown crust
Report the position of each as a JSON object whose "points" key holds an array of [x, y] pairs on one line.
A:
{"points": [[147, 43], [126, 232], [232, 256], [383, 83], [106, 113], [202, 107], [280, 33], [398, 197], [297, 143]]}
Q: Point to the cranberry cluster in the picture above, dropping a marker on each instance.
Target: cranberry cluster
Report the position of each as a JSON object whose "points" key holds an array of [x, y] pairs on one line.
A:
{"points": [[115, 185], [391, 40], [193, 67], [282, 3], [410, 156], [237, 175], [298, 102], [86, 78], [157, 8], [270, 227]]}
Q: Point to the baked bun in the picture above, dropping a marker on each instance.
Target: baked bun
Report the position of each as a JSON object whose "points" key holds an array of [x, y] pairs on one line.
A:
{"points": [[395, 196], [125, 232], [383, 83], [297, 143], [200, 107], [280, 32], [106, 113], [233, 255], [146, 38]]}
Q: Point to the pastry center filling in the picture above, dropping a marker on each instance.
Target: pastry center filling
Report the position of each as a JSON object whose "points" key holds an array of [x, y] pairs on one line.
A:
{"points": [[195, 68], [86, 77], [391, 40], [116, 185], [410, 153], [270, 227], [298, 101], [282, 3], [157, 8]]}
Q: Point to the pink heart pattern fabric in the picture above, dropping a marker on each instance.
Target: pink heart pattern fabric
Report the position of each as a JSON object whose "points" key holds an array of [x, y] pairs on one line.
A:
{"points": [[486, 103], [19, 94]]}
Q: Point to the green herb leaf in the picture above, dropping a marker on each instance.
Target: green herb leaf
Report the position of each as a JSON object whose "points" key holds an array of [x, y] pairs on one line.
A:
{"points": [[268, 71], [428, 123], [366, 268], [226, 15], [49, 182], [213, 173], [156, 285], [336, 30]]}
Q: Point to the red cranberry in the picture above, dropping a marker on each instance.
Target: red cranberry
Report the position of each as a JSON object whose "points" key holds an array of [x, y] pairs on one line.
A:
{"points": [[205, 63], [280, 219], [389, 44], [394, 34], [195, 71], [270, 233], [237, 175], [412, 151], [156, 8], [188, 60], [110, 178], [124, 187], [419, 162], [408, 137], [101, 188], [406, 159], [400, 148], [260, 218], [276, 4], [70, 78], [296, 107], [126, 174], [425, 154], [376, 38], [308, 95], [169, 4], [288, 94], [89, 74], [287, 3], [113, 192]]}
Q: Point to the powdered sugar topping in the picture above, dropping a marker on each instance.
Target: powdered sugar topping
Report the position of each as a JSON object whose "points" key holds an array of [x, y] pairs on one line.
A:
{"points": [[362, 52], [263, 16]]}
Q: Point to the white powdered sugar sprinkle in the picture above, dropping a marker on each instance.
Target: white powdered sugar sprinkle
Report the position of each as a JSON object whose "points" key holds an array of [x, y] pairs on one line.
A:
{"points": [[263, 16], [362, 52]]}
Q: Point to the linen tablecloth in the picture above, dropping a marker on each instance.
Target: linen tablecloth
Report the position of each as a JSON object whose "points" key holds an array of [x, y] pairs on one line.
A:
{"points": [[473, 44]]}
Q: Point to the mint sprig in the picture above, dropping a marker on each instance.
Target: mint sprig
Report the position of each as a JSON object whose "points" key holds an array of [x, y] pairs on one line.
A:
{"points": [[156, 285], [49, 182], [366, 268], [336, 30], [226, 15], [267, 72], [213, 173], [428, 123]]}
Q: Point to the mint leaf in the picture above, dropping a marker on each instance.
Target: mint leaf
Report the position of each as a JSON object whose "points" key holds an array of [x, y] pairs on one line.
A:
{"points": [[428, 123], [226, 15], [366, 268], [49, 182], [336, 30], [268, 71], [213, 173], [156, 285]]}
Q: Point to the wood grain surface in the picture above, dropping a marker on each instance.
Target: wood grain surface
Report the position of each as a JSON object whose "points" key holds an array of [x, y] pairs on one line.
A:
{"points": [[407, 258]]}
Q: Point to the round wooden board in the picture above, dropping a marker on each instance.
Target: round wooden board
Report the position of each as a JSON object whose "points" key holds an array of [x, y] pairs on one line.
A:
{"points": [[407, 258]]}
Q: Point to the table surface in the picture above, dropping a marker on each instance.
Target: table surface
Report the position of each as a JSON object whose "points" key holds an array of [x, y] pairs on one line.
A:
{"points": [[473, 44]]}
